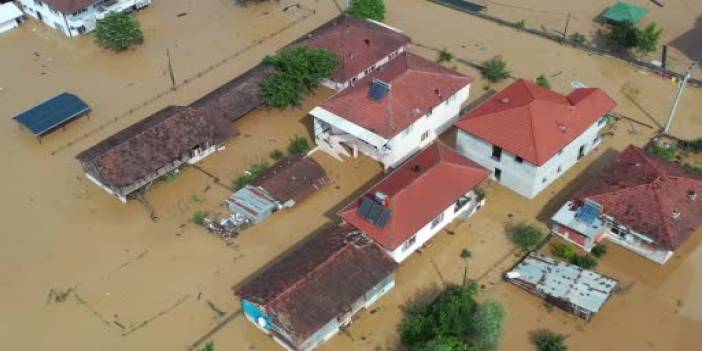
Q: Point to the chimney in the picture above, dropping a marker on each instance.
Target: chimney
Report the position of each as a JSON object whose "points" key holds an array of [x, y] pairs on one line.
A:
{"points": [[562, 127], [676, 214], [381, 197], [692, 195]]}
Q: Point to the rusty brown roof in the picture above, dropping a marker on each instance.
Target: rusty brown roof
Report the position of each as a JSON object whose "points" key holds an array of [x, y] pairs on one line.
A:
{"points": [[237, 97], [319, 280], [139, 150], [293, 178], [69, 6]]}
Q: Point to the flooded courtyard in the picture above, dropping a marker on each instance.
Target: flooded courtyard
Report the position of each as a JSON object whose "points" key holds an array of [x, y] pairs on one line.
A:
{"points": [[134, 284]]}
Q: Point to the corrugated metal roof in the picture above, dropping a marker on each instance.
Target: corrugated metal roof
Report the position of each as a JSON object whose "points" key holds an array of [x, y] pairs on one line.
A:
{"points": [[586, 289], [52, 113], [252, 202]]}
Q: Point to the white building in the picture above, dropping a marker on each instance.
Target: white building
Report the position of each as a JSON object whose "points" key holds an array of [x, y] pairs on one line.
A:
{"points": [[392, 113], [414, 202], [361, 47], [10, 17], [528, 136], [76, 17]]}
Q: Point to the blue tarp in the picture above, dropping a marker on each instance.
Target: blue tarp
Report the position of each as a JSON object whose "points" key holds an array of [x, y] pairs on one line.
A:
{"points": [[52, 113]]}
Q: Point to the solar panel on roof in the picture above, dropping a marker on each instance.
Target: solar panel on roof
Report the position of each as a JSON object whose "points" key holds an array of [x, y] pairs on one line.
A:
{"points": [[589, 212], [378, 90], [384, 218], [365, 207], [374, 213]]}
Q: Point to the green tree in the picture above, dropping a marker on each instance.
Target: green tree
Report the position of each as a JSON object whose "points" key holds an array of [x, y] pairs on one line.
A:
{"points": [[599, 250], [372, 9], [584, 262], [118, 31], [298, 145], [543, 82], [445, 56], [563, 250], [550, 341], [443, 343], [209, 347], [527, 236], [624, 34], [649, 39], [487, 326], [298, 71], [495, 70], [579, 38]]}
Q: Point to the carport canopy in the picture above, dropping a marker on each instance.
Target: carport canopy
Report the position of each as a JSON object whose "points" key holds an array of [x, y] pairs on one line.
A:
{"points": [[625, 12], [52, 114]]}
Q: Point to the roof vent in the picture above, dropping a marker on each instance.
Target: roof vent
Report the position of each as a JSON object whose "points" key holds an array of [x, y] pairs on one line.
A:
{"points": [[692, 195], [676, 214], [504, 100], [379, 89], [562, 127], [381, 197]]}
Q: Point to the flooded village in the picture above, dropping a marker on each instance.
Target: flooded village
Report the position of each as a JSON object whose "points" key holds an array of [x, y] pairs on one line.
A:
{"points": [[402, 174]]}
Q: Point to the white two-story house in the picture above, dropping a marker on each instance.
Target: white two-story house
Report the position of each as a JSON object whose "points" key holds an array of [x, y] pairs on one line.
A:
{"points": [[528, 136], [361, 47], [76, 17], [392, 113], [414, 202]]}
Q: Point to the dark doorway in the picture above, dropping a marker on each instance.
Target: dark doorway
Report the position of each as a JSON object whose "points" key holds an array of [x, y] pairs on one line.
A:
{"points": [[496, 152], [41, 18], [498, 174]]}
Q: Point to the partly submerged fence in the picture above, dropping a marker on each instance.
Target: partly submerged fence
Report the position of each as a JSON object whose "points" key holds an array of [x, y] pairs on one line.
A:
{"points": [[475, 10]]}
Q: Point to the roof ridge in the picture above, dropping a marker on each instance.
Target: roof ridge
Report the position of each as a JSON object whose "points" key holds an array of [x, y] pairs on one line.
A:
{"points": [[303, 278], [532, 133], [178, 111], [664, 218]]}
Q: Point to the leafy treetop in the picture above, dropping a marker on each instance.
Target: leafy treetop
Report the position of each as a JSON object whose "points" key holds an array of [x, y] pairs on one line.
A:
{"points": [[371, 9], [118, 31]]}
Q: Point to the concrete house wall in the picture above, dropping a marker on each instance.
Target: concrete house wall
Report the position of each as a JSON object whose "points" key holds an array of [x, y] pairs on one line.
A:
{"points": [[430, 229], [525, 178]]}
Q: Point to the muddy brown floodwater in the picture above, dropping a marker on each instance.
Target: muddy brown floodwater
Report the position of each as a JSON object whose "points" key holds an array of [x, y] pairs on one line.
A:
{"points": [[139, 285]]}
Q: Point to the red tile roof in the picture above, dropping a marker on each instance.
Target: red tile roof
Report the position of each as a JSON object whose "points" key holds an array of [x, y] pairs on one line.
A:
{"points": [[417, 85], [69, 6], [319, 280], [642, 191], [418, 191], [292, 178], [533, 122], [357, 43]]}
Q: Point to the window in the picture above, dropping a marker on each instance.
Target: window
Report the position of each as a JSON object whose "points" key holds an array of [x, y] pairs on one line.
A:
{"points": [[425, 135], [460, 203], [560, 168], [430, 111], [496, 152], [409, 243], [595, 141], [38, 3], [544, 180], [498, 174], [518, 159], [437, 220]]}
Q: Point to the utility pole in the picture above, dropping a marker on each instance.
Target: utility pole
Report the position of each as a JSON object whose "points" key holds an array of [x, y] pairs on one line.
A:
{"points": [[170, 70], [681, 88]]}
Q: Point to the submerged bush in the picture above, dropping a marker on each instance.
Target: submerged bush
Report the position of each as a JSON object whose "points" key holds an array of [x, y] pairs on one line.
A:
{"points": [[527, 236]]}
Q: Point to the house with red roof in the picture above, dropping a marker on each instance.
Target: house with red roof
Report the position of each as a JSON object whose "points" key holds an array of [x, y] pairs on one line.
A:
{"points": [[76, 17], [528, 136], [414, 202], [362, 46], [392, 113], [639, 201], [310, 294]]}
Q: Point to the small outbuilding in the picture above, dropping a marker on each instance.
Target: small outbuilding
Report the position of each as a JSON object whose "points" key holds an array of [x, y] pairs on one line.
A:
{"points": [[625, 12], [576, 290], [10, 17], [52, 114]]}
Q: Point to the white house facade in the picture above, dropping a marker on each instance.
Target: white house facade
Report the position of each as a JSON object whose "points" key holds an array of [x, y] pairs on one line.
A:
{"points": [[529, 136], [73, 20], [520, 175], [10, 17], [393, 113]]}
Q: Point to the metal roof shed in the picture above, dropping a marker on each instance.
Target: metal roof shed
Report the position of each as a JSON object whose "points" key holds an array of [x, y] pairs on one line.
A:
{"points": [[52, 114], [625, 12]]}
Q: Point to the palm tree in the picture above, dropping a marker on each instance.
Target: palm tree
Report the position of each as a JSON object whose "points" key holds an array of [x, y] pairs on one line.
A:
{"points": [[465, 255]]}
